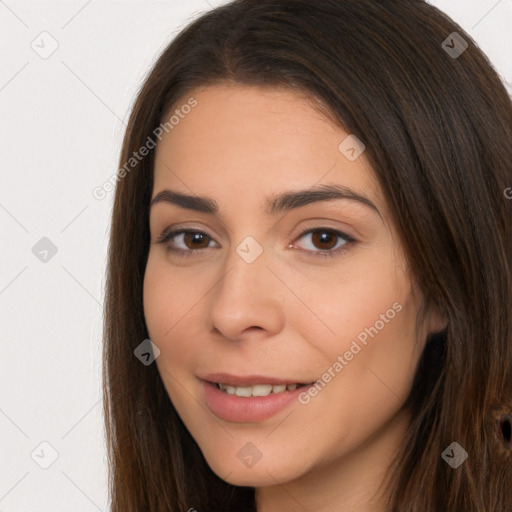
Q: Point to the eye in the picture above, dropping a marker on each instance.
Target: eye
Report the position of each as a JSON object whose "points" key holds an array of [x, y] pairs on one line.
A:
{"points": [[326, 239], [195, 241]]}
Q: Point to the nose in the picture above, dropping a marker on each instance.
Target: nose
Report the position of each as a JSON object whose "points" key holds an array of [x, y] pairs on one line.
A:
{"points": [[249, 298]]}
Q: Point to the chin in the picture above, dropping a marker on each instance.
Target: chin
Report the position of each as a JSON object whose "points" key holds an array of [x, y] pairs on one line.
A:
{"points": [[252, 478], [262, 474]]}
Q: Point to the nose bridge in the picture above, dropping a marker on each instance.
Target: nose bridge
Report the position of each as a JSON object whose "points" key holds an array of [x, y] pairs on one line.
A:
{"points": [[246, 295], [247, 273]]}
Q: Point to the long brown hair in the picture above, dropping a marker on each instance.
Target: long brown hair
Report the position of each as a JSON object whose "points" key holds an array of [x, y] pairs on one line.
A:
{"points": [[437, 124]]}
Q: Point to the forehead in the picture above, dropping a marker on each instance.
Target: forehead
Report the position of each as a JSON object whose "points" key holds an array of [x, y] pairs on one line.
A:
{"points": [[251, 139]]}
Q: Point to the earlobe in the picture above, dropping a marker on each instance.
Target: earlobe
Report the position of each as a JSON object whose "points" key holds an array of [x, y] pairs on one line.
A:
{"points": [[438, 321]]}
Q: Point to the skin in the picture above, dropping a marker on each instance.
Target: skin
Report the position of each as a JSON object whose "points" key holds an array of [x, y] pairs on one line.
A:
{"points": [[290, 313]]}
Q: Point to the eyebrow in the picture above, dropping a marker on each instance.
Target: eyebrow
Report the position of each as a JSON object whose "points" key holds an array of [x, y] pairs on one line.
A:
{"points": [[282, 202]]}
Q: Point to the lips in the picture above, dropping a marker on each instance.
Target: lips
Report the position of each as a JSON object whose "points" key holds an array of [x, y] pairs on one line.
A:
{"points": [[251, 380], [243, 409], [246, 398]]}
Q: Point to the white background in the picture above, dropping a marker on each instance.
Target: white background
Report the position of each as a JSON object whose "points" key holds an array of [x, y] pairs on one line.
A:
{"points": [[62, 122]]}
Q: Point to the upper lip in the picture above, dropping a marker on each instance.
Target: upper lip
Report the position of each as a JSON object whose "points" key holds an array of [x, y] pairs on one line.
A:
{"points": [[247, 380]]}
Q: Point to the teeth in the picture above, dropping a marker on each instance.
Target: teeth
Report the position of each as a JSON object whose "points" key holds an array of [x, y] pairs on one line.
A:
{"points": [[261, 390], [243, 391], [256, 390]]}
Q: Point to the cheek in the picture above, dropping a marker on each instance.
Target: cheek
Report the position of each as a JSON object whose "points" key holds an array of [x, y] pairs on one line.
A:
{"points": [[366, 318], [165, 298], [155, 300], [172, 301], [364, 301]]}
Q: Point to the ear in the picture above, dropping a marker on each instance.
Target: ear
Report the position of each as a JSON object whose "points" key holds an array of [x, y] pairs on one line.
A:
{"points": [[437, 320]]}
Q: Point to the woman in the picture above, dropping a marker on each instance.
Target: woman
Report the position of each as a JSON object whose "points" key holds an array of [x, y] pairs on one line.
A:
{"points": [[309, 282]]}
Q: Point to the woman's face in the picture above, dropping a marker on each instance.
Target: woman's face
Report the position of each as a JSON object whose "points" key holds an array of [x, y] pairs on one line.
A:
{"points": [[337, 307]]}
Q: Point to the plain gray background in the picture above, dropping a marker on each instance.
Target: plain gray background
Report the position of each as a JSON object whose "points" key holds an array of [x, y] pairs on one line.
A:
{"points": [[63, 117]]}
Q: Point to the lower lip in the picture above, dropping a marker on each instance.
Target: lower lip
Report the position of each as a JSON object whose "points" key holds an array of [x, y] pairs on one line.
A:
{"points": [[240, 409]]}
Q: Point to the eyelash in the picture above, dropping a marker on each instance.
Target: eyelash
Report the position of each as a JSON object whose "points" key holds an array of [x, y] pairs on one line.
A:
{"points": [[349, 241]]}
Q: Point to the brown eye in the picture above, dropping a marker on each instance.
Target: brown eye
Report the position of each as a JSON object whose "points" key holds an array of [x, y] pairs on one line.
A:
{"points": [[195, 239], [324, 240], [184, 242]]}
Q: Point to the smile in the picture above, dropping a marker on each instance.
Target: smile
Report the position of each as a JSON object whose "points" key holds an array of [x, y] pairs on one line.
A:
{"points": [[257, 390], [249, 404]]}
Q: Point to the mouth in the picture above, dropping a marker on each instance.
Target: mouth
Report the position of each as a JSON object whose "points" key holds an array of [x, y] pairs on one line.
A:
{"points": [[253, 385], [249, 399], [257, 389]]}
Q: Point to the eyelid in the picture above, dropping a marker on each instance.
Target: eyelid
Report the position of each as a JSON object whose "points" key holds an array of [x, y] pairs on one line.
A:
{"points": [[173, 231], [327, 253], [311, 225], [319, 224]]}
